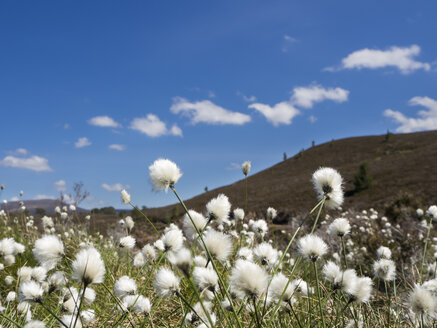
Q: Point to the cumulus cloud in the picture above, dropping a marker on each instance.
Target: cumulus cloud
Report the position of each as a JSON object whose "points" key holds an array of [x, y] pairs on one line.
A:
{"points": [[426, 120], [398, 57], [303, 97], [39, 197], [82, 142], [281, 113], [152, 126], [14, 199], [306, 97], [114, 187], [61, 185], [34, 163], [20, 151], [246, 98], [104, 121], [207, 112], [117, 147]]}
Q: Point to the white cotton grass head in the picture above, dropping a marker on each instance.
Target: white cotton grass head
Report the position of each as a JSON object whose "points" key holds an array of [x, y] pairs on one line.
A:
{"points": [[172, 240], [363, 290], [266, 254], [125, 196], [301, 286], [139, 260], [339, 227], [259, 227], [312, 247], [47, 222], [218, 208], [384, 269], [189, 228], [238, 214], [328, 183], [248, 279], [432, 212], [57, 280], [383, 253], [164, 174], [125, 286], [149, 252], [88, 267], [127, 242], [205, 279], [7, 246], [271, 213], [39, 274], [218, 244], [245, 253], [48, 250], [25, 273], [331, 271], [166, 283], [129, 223], [278, 287], [199, 318], [30, 291], [421, 301], [245, 167], [181, 259]]}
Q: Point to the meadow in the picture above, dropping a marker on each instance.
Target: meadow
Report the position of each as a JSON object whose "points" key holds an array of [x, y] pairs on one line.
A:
{"points": [[220, 267]]}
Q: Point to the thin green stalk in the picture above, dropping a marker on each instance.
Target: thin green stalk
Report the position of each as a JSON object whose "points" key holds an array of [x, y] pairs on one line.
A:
{"points": [[389, 303], [209, 256], [322, 202], [294, 313], [256, 312], [80, 303], [425, 249], [189, 306], [144, 216], [10, 320], [344, 252], [318, 294], [245, 203], [54, 315]]}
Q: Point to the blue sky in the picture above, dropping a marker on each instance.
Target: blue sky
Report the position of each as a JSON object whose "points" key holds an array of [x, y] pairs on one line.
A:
{"points": [[95, 91]]}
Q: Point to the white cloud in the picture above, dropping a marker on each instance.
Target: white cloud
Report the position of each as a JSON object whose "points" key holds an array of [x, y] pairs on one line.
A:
{"points": [[82, 142], [117, 147], [152, 126], [306, 97], [246, 98], [401, 58], [20, 151], [39, 197], [211, 94], [34, 163], [281, 113], [312, 119], [104, 121], [427, 119], [288, 40], [61, 185], [207, 112], [14, 199], [114, 187], [234, 166]]}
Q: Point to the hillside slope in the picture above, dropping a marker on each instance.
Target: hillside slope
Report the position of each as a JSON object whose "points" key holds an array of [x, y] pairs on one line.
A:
{"points": [[405, 164]]}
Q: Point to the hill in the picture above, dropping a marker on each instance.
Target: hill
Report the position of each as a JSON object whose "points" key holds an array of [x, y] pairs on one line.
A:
{"points": [[48, 205], [403, 167]]}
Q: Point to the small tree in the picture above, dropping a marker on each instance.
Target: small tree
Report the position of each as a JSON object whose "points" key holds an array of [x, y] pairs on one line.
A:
{"points": [[363, 180], [40, 211], [285, 156], [80, 194]]}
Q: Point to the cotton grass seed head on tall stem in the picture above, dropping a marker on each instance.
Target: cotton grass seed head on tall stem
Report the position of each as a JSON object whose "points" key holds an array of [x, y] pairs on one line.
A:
{"points": [[421, 301], [189, 228], [248, 279], [339, 227], [164, 174], [48, 250], [218, 208], [30, 291], [218, 244], [245, 167], [312, 247], [125, 286], [384, 269], [88, 267], [328, 183], [238, 214], [363, 290], [125, 196], [166, 283]]}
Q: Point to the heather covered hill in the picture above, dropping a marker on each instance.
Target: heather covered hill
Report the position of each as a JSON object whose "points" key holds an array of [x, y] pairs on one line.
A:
{"points": [[403, 168]]}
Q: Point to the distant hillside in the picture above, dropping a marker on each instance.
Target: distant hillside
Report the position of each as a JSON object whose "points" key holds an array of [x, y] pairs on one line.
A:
{"points": [[31, 205], [403, 166]]}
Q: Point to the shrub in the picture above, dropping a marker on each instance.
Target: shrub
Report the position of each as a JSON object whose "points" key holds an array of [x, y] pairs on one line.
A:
{"points": [[363, 180]]}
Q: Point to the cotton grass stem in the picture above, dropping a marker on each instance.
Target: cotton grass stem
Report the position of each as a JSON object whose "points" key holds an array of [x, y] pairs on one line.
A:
{"points": [[322, 202], [10, 320], [318, 293], [344, 251], [426, 247], [209, 256], [53, 314], [156, 230]]}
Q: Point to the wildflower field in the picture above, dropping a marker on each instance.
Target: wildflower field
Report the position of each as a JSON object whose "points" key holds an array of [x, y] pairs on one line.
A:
{"points": [[219, 268]]}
